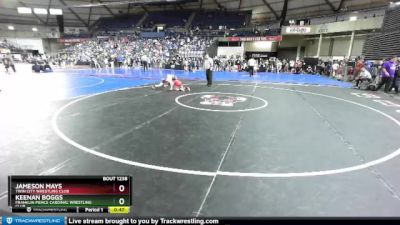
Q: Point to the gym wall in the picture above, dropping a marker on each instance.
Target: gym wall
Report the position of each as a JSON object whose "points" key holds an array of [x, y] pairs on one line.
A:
{"points": [[334, 47]]}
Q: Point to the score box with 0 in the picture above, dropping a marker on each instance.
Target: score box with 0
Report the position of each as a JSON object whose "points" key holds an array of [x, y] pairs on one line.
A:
{"points": [[69, 191]]}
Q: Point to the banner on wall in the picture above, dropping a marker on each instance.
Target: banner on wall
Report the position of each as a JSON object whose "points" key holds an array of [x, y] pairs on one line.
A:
{"points": [[103, 37], [298, 30], [71, 30], [152, 34], [258, 55], [323, 29], [75, 30], [72, 40], [4, 50], [266, 38]]}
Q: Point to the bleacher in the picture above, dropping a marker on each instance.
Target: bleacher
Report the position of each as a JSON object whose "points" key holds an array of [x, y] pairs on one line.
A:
{"points": [[170, 19], [80, 35], [118, 23], [386, 42], [382, 45], [361, 14], [203, 20], [215, 19], [247, 32], [392, 19]]}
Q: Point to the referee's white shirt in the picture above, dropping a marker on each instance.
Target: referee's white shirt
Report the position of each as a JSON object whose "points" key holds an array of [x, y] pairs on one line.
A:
{"points": [[208, 63], [252, 62]]}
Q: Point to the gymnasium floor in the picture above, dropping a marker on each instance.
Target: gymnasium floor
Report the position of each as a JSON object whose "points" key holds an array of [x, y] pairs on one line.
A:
{"points": [[282, 145]]}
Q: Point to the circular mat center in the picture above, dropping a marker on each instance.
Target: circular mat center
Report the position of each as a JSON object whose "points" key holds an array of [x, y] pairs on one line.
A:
{"points": [[221, 102]]}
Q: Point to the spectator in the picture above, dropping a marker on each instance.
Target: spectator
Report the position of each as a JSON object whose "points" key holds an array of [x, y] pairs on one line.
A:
{"points": [[9, 62], [364, 75], [278, 66], [387, 74], [396, 81], [335, 68], [47, 68], [36, 67]]}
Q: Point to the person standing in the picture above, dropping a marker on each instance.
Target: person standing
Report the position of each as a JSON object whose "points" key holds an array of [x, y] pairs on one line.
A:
{"points": [[387, 74], [335, 68], [238, 64], [278, 66], [106, 62], [291, 66], [251, 64], [145, 62], [396, 80], [8, 62], [10, 57], [208, 65]]}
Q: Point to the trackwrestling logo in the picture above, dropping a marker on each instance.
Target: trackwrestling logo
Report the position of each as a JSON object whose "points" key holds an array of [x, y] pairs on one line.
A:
{"points": [[217, 100], [34, 220]]}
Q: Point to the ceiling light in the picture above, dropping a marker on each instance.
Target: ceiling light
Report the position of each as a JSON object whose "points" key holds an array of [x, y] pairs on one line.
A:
{"points": [[55, 11], [34, 29], [24, 10], [40, 11], [11, 27]]}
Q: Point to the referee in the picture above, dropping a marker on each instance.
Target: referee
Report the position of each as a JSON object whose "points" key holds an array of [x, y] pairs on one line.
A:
{"points": [[208, 64], [145, 63], [252, 64]]}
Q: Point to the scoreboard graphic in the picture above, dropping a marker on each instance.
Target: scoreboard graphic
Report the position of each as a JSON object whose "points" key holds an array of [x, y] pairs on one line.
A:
{"points": [[70, 194]]}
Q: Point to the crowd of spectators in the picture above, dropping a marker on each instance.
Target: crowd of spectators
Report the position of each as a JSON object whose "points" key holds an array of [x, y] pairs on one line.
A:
{"points": [[275, 65], [4, 44], [127, 51], [358, 70], [186, 51]]}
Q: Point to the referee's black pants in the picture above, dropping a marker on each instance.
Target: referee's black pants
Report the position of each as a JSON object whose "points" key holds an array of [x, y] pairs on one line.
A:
{"points": [[145, 66], [209, 77], [251, 70]]}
